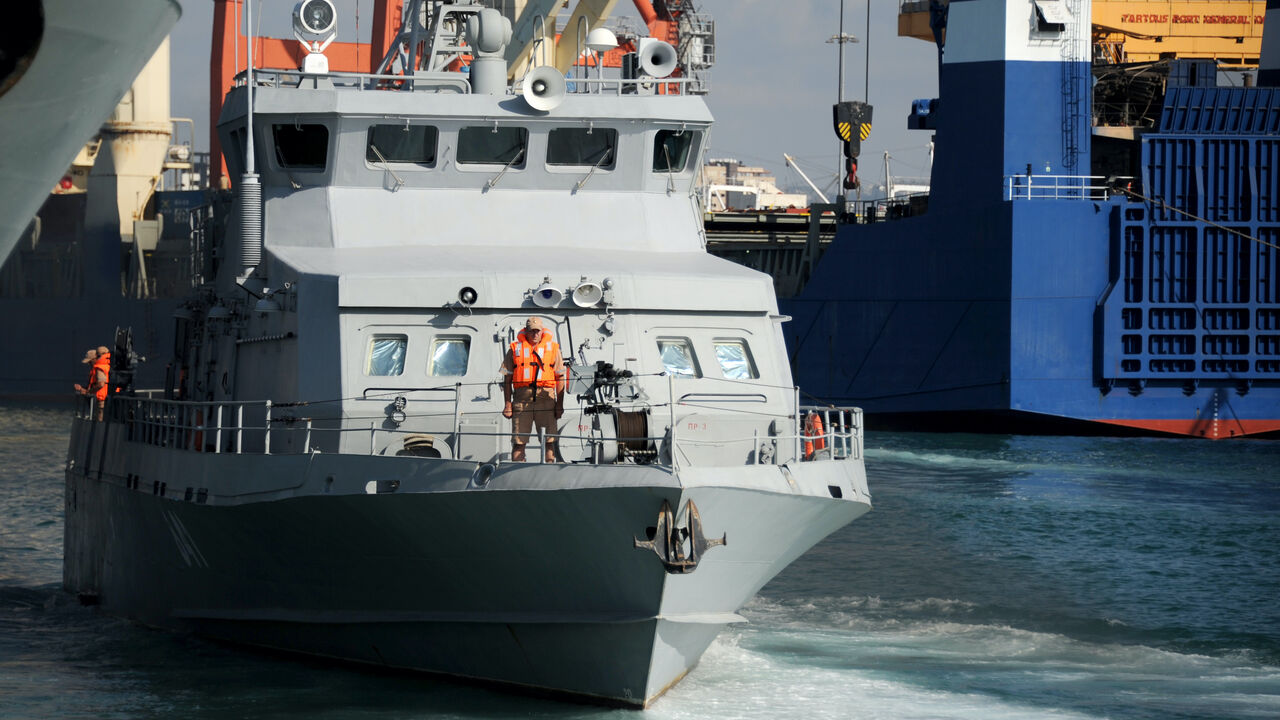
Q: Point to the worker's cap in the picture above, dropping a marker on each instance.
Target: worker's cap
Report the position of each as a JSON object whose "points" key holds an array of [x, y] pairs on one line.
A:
{"points": [[103, 350], [533, 323], [90, 356]]}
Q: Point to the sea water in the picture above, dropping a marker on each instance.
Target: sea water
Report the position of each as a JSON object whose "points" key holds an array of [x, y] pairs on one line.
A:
{"points": [[996, 577]]}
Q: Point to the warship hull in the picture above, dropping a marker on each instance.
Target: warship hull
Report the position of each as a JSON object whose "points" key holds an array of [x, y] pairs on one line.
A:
{"points": [[85, 59], [533, 579]]}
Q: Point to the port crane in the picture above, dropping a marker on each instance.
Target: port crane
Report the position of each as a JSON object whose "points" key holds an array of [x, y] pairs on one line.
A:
{"points": [[1131, 31]]}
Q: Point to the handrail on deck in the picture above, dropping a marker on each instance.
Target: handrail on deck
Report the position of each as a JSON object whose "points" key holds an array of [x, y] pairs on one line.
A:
{"points": [[1064, 187], [245, 427], [642, 86]]}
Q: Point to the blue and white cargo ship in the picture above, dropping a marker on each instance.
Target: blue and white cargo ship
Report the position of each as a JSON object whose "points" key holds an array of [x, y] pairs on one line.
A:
{"points": [[1063, 275]]}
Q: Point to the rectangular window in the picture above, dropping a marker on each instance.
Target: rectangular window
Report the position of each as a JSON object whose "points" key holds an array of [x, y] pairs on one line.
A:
{"points": [[235, 153], [735, 360], [491, 145], [1052, 16], [301, 147], [414, 144], [677, 357], [588, 147], [671, 150], [386, 355], [449, 356]]}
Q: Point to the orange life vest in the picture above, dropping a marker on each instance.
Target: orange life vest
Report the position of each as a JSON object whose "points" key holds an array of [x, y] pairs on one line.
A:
{"points": [[535, 364], [814, 435], [103, 363]]}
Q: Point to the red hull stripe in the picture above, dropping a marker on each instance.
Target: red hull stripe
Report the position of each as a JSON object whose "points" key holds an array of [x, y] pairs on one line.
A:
{"points": [[1202, 428]]}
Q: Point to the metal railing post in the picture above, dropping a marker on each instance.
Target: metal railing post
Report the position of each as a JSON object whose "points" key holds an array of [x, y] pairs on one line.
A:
{"points": [[266, 430], [457, 412], [217, 435], [795, 394], [671, 407], [828, 435], [239, 429]]}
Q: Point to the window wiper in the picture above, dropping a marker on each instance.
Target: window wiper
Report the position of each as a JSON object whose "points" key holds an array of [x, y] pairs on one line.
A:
{"points": [[387, 166], [603, 159], [494, 180]]}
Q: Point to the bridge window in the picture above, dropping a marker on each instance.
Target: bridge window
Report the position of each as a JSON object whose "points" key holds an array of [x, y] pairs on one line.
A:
{"points": [[386, 355], [449, 356], [1052, 16], [677, 357], [735, 359], [415, 144], [301, 147], [590, 147], [671, 150], [235, 152], [492, 145]]}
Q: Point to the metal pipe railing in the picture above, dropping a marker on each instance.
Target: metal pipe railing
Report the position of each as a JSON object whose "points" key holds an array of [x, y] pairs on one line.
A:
{"points": [[187, 425], [1063, 187], [644, 86]]}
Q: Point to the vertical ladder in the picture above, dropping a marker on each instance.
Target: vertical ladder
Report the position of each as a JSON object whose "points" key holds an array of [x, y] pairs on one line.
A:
{"points": [[1072, 111]]}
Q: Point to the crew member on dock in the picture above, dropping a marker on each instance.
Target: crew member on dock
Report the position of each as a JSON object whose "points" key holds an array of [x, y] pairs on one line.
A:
{"points": [[533, 387], [98, 374]]}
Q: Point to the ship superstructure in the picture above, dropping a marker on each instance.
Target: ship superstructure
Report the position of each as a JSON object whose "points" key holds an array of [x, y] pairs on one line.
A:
{"points": [[1096, 253], [328, 469]]}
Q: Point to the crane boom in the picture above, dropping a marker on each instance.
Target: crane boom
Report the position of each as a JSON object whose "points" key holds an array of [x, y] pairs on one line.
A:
{"points": [[791, 162]]}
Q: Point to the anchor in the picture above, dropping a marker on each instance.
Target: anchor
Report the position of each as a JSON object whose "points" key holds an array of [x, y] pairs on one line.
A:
{"points": [[668, 540]]}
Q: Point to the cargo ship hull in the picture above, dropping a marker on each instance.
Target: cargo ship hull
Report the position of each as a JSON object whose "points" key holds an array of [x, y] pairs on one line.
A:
{"points": [[1062, 274]]}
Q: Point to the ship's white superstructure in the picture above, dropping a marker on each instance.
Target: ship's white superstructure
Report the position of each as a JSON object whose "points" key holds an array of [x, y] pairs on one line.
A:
{"points": [[329, 471], [61, 92]]}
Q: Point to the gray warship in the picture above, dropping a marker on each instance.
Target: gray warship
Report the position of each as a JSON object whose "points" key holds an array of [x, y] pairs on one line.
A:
{"points": [[327, 471]]}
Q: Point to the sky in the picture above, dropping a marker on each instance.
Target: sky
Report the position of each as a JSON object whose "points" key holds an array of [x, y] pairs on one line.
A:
{"points": [[771, 91]]}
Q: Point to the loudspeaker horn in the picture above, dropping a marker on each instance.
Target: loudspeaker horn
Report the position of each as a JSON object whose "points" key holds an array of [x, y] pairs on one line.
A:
{"points": [[547, 295], [587, 294], [657, 58], [544, 88]]}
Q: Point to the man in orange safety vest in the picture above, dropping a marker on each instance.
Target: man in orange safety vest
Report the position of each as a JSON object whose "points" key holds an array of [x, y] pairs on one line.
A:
{"points": [[533, 387], [98, 374]]}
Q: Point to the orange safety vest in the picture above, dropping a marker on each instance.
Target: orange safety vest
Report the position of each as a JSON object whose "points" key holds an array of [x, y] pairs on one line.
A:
{"points": [[814, 434], [103, 363], [535, 364]]}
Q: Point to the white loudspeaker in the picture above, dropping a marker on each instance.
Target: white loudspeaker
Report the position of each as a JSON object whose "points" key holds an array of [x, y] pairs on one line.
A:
{"points": [[657, 58], [547, 295], [544, 88], [587, 294]]}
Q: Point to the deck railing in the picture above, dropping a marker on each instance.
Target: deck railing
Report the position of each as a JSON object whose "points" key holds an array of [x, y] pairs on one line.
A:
{"points": [[428, 81], [1063, 187], [247, 427]]}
